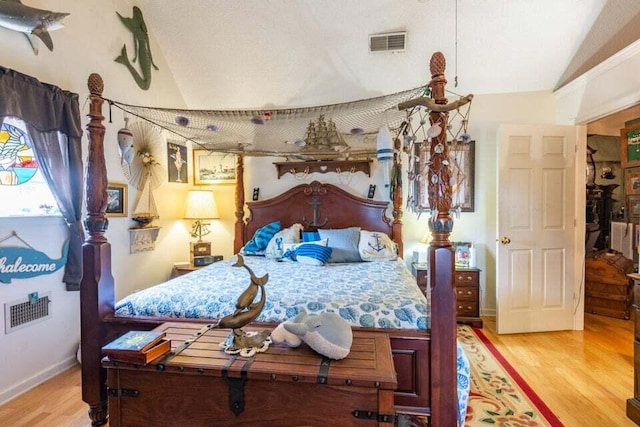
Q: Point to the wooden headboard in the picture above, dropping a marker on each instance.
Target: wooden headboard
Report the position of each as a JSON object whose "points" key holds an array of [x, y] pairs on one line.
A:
{"points": [[318, 205]]}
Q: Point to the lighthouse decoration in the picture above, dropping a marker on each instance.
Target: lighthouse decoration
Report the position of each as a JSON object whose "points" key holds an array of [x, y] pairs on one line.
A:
{"points": [[385, 152]]}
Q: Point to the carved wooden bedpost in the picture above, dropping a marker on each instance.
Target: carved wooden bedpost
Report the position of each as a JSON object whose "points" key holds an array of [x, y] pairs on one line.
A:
{"points": [[238, 242], [96, 287], [441, 254], [441, 261]]}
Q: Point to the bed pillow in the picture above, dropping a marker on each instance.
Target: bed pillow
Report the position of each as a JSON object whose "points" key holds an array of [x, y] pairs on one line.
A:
{"points": [[260, 239], [310, 236], [289, 235], [311, 254], [290, 247], [376, 246], [343, 242]]}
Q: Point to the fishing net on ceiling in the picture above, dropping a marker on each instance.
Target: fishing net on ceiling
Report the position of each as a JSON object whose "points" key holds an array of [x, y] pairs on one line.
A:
{"points": [[335, 131]]}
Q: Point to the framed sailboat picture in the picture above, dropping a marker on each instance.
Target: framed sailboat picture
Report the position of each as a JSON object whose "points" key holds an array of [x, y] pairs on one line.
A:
{"points": [[117, 199], [213, 168]]}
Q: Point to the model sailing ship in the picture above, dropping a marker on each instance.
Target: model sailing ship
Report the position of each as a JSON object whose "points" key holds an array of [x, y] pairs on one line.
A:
{"points": [[145, 210], [323, 141]]}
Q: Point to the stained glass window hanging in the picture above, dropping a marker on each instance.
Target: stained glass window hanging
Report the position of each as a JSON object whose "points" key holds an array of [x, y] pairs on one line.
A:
{"points": [[23, 189]]}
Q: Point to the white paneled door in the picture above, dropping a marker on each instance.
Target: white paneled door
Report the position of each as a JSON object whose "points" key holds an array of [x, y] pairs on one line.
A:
{"points": [[536, 228]]}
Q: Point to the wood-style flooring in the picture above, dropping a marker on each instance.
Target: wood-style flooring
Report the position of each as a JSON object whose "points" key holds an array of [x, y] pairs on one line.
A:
{"points": [[585, 377]]}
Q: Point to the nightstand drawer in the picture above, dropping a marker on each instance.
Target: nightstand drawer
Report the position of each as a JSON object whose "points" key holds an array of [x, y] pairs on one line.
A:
{"points": [[465, 278], [467, 294], [467, 309]]}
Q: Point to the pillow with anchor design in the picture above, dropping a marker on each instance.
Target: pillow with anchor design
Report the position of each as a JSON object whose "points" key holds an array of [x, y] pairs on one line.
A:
{"points": [[376, 246]]}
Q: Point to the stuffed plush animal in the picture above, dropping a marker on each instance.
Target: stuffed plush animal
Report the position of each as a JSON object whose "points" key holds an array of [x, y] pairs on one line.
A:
{"points": [[283, 337], [327, 333]]}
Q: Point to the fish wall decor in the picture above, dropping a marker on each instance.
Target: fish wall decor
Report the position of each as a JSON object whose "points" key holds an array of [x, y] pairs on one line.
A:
{"points": [[25, 262], [31, 21], [138, 28]]}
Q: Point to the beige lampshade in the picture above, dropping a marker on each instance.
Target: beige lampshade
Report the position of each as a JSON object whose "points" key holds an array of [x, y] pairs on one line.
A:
{"points": [[201, 205]]}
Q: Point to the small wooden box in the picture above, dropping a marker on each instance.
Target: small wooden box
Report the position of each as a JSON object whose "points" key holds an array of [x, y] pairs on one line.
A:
{"points": [[608, 289], [203, 386]]}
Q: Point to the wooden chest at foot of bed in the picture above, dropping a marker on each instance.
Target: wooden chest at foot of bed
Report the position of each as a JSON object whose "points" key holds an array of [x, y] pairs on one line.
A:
{"points": [[608, 289], [203, 386]]}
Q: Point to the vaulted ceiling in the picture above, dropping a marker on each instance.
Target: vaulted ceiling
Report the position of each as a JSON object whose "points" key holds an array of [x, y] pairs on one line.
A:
{"points": [[278, 53]]}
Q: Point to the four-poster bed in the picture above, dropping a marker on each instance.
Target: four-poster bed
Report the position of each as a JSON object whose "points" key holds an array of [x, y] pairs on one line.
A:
{"points": [[425, 361]]}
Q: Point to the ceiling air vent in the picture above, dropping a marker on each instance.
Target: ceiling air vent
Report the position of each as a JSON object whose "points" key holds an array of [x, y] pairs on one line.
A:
{"points": [[387, 42]]}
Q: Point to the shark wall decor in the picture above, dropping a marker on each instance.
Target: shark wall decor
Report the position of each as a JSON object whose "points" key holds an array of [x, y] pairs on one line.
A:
{"points": [[31, 21], [138, 28]]}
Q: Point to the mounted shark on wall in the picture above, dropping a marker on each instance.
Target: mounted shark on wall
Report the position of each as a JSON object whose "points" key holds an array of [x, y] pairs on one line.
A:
{"points": [[138, 28], [31, 21]]}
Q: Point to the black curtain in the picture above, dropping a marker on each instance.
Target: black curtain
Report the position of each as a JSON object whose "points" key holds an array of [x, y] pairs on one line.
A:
{"points": [[52, 118]]}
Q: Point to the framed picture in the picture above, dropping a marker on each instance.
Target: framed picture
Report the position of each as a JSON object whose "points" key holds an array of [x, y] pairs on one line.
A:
{"points": [[177, 163], [462, 162], [116, 199], [630, 147], [213, 168], [633, 206], [632, 182], [461, 254]]}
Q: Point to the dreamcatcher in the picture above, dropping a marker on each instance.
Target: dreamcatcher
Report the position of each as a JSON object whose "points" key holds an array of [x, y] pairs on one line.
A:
{"points": [[144, 171]]}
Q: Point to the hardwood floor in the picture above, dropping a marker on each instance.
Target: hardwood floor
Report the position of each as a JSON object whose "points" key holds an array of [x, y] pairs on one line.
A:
{"points": [[585, 377]]}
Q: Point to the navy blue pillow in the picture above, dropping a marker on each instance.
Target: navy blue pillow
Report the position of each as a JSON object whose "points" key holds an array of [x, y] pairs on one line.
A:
{"points": [[310, 236]]}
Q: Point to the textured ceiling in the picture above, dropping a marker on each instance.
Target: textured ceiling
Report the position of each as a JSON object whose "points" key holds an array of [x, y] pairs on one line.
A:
{"points": [[254, 54]]}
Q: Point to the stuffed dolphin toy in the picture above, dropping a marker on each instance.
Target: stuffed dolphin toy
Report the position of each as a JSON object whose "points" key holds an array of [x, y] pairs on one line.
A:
{"points": [[327, 333]]}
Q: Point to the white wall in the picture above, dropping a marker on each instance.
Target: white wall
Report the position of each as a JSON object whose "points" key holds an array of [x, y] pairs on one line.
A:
{"points": [[34, 353]]}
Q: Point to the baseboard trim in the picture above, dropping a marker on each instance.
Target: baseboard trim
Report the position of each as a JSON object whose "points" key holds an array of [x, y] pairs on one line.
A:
{"points": [[36, 379], [489, 312]]}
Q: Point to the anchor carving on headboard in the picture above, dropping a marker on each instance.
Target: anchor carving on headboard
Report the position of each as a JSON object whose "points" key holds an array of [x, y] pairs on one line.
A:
{"points": [[315, 189]]}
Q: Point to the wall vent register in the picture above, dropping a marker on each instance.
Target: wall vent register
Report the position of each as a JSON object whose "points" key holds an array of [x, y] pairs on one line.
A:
{"points": [[25, 312]]}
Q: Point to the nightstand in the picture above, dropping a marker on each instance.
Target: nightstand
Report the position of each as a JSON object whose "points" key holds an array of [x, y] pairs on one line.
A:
{"points": [[467, 281], [184, 269]]}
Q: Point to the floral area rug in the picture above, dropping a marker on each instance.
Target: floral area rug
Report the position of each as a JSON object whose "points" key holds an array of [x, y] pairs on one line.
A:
{"points": [[499, 395]]}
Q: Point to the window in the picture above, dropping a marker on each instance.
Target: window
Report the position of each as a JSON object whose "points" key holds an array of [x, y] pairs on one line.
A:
{"points": [[23, 189]]}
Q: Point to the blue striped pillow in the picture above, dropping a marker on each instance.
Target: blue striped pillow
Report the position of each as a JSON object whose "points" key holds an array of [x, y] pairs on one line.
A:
{"points": [[261, 238], [313, 254], [310, 236]]}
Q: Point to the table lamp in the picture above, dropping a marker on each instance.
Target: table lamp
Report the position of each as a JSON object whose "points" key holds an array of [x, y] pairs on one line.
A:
{"points": [[201, 205]]}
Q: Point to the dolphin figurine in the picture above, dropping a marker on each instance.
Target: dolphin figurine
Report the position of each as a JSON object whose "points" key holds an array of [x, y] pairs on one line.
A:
{"points": [[138, 28], [326, 333], [246, 310], [31, 21]]}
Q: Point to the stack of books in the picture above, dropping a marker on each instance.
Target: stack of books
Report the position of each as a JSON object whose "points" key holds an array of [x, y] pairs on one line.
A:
{"points": [[138, 347]]}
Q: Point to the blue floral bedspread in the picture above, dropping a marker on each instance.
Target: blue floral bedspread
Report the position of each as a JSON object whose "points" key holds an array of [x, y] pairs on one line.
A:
{"points": [[370, 294]]}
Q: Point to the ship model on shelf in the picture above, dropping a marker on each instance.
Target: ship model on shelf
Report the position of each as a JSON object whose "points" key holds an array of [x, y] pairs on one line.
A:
{"points": [[145, 211], [323, 141]]}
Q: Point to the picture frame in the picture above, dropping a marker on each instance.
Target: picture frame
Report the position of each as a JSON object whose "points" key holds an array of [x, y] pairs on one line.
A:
{"points": [[461, 253], [213, 168], [177, 163], [630, 147], [462, 161], [632, 182], [117, 199], [633, 207]]}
